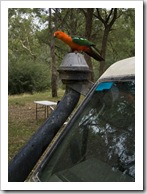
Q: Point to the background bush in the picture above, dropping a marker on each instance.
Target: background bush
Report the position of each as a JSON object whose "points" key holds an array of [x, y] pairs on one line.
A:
{"points": [[27, 76]]}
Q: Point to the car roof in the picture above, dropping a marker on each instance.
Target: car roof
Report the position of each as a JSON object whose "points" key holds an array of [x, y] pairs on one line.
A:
{"points": [[120, 69]]}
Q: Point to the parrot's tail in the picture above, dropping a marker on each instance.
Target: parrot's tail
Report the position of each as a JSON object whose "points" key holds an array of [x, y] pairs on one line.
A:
{"points": [[93, 52]]}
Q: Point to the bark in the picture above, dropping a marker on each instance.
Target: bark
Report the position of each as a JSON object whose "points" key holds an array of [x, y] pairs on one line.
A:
{"points": [[53, 59], [103, 50], [88, 13], [53, 70]]}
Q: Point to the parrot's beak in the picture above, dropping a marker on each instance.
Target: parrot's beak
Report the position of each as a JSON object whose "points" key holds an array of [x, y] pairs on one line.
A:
{"points": [[54, 35]]}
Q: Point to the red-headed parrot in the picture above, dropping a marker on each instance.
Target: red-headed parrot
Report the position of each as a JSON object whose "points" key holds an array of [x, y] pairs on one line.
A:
{"points": [[79, 44]]}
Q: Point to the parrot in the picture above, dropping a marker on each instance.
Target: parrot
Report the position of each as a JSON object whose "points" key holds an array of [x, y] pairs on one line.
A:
{"points": [[78, 44]]}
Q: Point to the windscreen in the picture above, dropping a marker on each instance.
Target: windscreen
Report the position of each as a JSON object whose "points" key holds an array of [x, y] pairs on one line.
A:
{"points": [[100, 143]]}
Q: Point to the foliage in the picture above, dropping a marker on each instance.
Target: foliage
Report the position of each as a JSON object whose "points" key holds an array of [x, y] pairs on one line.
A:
{"points": [[34, 56], [28, 59], [25, 76]]}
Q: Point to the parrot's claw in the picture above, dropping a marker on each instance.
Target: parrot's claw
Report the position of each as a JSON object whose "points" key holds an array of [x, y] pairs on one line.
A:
{"points": [[75, 51]]}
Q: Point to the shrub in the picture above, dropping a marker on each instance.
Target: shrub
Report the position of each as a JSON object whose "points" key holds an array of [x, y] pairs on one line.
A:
{"points": [[27, 76]]}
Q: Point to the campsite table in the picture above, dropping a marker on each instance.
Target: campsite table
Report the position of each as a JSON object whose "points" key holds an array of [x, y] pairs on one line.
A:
{"points": [[43, 106]]}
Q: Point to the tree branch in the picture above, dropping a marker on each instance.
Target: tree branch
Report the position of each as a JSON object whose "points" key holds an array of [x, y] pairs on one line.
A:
{"points": [[83, 11], [114, 17], [107, 20], [63, 20], [99, 16], [28, 49]]}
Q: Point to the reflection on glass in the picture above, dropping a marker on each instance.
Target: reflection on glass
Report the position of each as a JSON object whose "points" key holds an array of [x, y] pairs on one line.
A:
{"points": [[100, 146]]}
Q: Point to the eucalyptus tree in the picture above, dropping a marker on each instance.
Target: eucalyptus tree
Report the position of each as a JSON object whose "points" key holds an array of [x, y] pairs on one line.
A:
{"points": [[25, 57]]}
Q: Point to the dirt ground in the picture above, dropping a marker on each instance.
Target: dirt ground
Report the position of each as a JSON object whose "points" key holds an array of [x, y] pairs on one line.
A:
{"points": [[22, 124]]}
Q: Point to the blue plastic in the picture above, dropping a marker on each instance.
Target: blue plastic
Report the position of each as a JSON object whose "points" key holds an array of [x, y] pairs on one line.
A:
{"points": [[104, 86]]}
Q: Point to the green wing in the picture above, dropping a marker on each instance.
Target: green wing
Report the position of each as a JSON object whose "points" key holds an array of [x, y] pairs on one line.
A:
{"points": [[82, 41]]}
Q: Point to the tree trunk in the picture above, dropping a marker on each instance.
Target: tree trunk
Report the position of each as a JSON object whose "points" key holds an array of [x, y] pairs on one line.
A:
{"points": [[103, 50], [53, 59], [88, 29], [54, 71]]}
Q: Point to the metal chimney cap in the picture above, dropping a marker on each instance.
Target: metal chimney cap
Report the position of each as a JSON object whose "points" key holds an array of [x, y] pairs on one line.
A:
{"points": [[74, 61]]}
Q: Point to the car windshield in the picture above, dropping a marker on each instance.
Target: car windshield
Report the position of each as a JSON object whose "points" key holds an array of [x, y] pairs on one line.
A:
{"points": [[99, 144]]}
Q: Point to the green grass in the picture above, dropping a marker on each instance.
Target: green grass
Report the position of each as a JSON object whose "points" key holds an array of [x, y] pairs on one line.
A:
{"points": [[22, 122]]}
